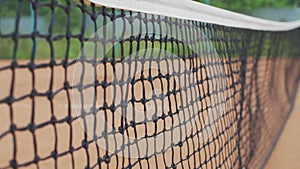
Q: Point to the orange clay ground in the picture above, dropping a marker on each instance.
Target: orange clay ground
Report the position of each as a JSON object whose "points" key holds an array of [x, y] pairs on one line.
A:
{"points": [[287, 151], [284, 156]]}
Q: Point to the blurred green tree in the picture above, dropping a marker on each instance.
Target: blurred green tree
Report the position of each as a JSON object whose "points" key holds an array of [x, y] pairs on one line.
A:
{"points": [[248, 5]]}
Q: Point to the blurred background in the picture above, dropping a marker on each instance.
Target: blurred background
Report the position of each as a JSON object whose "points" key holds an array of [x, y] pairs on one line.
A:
{"points": [[278, 10]]}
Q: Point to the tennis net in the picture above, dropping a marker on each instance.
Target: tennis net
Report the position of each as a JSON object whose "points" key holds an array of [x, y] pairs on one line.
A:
{"points": [[114, 85]]}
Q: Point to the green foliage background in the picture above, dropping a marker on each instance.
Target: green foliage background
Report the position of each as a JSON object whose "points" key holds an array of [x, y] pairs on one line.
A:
{"points": [[245, 6], [10, 9]]}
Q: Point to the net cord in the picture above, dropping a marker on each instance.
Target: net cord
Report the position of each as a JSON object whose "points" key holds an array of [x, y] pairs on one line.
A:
{"points": [[186, 9]]}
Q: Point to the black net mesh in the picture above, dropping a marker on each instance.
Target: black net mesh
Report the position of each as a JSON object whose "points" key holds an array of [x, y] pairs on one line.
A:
{"points": [[85, 86]]}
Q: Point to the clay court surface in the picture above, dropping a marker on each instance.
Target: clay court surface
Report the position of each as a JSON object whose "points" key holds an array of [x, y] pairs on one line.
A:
{"points": [[287, 151], [57, 137]]}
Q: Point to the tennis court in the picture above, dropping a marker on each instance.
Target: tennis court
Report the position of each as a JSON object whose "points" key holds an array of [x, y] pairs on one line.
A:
{"points": [[114, 85], [287, 149]]}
